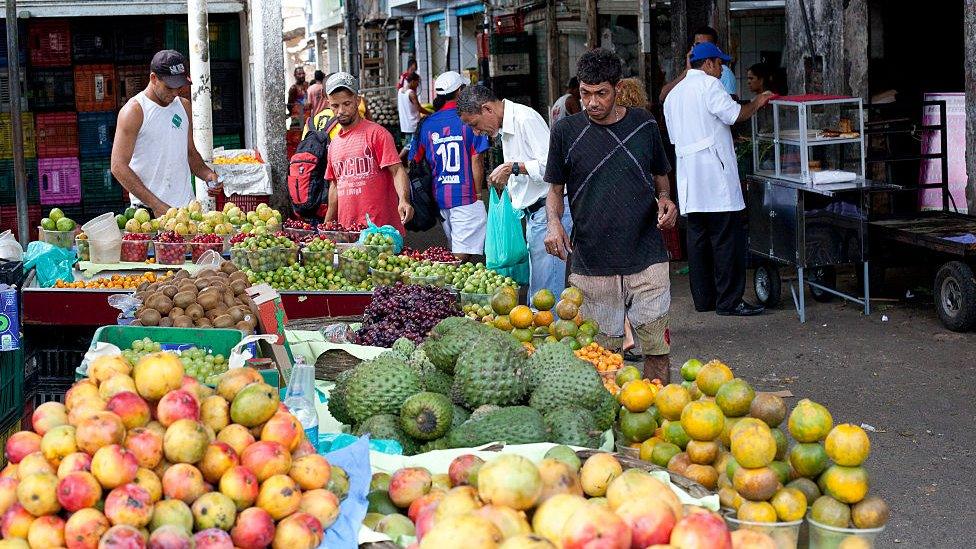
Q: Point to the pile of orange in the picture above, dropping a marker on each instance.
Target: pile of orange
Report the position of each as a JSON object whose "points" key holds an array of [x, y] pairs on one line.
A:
{"points": [[602, 359], [114, 282]]}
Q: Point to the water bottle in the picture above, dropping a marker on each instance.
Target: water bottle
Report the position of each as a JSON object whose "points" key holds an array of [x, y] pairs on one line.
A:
{"points": [[300, 399]]}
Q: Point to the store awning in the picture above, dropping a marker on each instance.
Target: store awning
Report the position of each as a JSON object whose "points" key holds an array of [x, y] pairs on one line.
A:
{"points": [[82, 8]]}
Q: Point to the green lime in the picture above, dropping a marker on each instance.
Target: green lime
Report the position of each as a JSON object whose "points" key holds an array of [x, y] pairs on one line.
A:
{"points": [[56, 214], [120, 221], [65, 224], [48, 224]]}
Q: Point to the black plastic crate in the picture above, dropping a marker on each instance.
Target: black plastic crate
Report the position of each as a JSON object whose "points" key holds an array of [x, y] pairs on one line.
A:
{"points": [[12, 272], [94, 208], [46, 366], [51, 89], [137, 40], [92, 42], [11, 385], [39, 394], [8, 427]]}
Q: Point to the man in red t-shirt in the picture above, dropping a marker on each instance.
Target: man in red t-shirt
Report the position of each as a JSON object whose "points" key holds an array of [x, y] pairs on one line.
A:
{"points": [[364, 170]]}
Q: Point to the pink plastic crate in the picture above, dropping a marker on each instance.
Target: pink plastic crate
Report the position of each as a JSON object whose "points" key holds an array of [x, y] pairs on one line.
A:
{"points": [[59, 180]]}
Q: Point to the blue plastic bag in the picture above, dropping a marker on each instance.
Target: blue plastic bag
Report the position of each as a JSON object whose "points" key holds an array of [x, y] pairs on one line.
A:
{"points": [[52, 263], [505, 248], [354, 460], [387, 230]]}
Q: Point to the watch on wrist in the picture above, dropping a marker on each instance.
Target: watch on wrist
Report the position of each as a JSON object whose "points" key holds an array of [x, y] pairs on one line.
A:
{"points": [[515, 168], [662, 196]]}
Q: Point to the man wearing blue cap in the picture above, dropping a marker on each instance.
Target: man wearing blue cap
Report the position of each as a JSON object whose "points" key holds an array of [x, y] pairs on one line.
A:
{"points": [[699, 113]]}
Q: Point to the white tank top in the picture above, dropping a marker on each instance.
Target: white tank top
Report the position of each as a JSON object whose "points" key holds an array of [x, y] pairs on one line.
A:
{"points": [[558, 110], [409, 114], [160, 156]]}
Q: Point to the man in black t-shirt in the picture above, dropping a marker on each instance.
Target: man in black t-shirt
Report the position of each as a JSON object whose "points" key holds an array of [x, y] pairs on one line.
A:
{"points": [[611, 162]]}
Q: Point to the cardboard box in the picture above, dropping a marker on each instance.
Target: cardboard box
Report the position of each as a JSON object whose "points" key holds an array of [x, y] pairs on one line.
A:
{"points": [[271, 315]]}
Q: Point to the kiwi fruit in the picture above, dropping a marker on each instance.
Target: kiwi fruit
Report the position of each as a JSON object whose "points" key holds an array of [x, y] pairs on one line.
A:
{"points": [[159, 302], [175, 312], [244, 327], [166, 322], [149, 317], [238, 286], [228, 267], [142, 287], [169, 290], [202, 284], [236, 314], [184, 299], [204, 323], [206, 273], [223, 321], [209, 299], [183, 322], [194, 311]]}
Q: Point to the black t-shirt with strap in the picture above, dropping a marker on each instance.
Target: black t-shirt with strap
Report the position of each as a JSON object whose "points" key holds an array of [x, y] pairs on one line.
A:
{"points": [[609, 175]]}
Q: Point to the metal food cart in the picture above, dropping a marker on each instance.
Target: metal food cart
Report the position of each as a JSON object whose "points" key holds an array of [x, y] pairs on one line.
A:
{"points": [[808, 205]]}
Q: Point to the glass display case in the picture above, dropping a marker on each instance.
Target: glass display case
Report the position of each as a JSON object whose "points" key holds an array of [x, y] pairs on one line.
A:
{"points": [[810, 139]]}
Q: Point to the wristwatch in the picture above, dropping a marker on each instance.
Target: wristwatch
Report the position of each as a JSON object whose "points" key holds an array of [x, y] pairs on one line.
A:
{"points": [[515, 168]]}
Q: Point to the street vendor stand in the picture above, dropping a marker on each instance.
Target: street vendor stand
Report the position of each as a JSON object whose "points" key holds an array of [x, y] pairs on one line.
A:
{"points": [[808, 205]]}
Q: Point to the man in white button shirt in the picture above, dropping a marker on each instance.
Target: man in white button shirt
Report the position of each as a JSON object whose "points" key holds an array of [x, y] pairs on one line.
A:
{"points": [[525, 150], [699, 113]]}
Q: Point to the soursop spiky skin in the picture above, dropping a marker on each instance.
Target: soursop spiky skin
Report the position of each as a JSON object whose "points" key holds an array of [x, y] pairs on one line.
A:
{"points": [[427, 416], [512, 425], [444, 347], [545, 358], [387, 427], [379, 386], [573, 426], [460, 416], [491, 371], [575, 383], [436, 381], [431, 445], [404, 346], [337, 398], [606, 411], [448, 324]]}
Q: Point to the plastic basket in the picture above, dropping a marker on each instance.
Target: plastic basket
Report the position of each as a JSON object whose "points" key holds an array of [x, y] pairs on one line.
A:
{"points": [[95, 88], [51, 89], [5, 91], [56, 134], [11, 385], [136, 40], [227, 96], [8, 219], [218, 340], [22, 31], [49, 42], [96, 131], [97, 182], [39, 393], [92, 42], [785, 535], [7, 136], [176, 35], [225, 40], [246, 202], [832, 537], [12, 272], [59, 180], [131, 80], [92, 208], [8, 191], [353, 270]]}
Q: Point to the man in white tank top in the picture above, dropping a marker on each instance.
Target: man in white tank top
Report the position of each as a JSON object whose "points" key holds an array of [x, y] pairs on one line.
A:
{"points": [[153, 155], [410, 110]]}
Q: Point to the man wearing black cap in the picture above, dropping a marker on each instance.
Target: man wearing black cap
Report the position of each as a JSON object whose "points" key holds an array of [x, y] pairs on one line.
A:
{"points": [[153, 155]]}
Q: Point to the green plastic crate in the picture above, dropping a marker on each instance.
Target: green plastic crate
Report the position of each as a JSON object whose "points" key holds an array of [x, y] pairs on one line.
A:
{"points": [[8, 192], [7, 428], [229, 141], [225, 38], [12, 366]]}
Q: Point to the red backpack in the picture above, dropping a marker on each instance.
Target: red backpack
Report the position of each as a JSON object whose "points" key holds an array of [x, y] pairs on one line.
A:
{"points": [[307, 186]]}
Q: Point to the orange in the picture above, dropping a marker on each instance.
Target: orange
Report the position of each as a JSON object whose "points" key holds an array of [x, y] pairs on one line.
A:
{"points": [[702, 452], [711, 376], [647, 447], [756, 511], [503, 323], [845, 484], [809, 421], [753, 446], [638, 426], [790, 504], [871, 512], [543, 300], [543, 318], [808, 459], [567, 310], [829, 511], [734, 397], [769, 408], [573, 295], [671, 400], [503, 302], [521, 316], [706, 475], [755, 484], [847, 445], [702, 420], [636, 396]]}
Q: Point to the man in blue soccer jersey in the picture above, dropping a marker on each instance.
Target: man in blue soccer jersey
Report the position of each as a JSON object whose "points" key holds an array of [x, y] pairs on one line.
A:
{"points": [[453, 152]]}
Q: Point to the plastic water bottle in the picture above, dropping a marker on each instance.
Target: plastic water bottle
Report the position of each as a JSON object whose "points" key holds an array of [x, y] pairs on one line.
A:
{"points": [[300, 399]]}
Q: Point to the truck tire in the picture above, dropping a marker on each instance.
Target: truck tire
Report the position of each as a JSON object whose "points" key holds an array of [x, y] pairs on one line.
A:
{"points": [[955, 296], [768, 285], [825, 276]]}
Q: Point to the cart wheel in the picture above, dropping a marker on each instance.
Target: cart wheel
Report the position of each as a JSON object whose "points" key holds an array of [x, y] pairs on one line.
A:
{"points": [[768, 284], [876, 278], [825, 276], [955, 296]]}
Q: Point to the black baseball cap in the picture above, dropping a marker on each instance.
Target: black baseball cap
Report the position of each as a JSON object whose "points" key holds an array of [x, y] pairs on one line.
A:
{"points": [[171, 67]]}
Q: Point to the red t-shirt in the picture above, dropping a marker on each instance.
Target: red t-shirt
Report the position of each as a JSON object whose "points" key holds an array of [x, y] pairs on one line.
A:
{"points": [[358, 159]]}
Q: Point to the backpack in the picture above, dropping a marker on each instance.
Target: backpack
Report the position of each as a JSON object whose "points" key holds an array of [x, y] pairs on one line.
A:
{"points": [[426, 212], [307, 186]]}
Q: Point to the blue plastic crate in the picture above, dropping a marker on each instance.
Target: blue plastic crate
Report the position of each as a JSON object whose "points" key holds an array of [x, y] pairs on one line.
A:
{"points": [[96, 130]]}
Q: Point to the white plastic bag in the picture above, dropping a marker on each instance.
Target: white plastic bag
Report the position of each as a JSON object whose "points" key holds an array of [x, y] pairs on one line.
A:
{"points": [[10, 249]]}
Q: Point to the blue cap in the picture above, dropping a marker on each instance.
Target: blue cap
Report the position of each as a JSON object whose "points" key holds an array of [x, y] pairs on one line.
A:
{"points": [[707, 50]]}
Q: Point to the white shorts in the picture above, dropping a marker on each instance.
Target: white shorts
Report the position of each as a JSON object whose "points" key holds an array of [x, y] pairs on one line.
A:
{"points": [[465, 228]]}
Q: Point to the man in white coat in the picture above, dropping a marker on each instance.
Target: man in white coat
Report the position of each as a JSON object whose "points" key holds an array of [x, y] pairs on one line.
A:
{"points": [[699, 113]]}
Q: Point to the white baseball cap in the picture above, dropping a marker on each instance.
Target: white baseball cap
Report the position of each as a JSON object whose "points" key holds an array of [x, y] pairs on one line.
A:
{"points": [[449, 82]]}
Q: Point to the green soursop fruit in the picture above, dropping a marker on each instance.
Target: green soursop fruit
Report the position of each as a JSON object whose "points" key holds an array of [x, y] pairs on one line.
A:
{"points": [[379, 386], [492, 371], [512, 425], [337, 398], [546, 358], [426, 416], [445, 346], [605, 413], [418, 360], [431, 445], [459, 416], [404, 346], [573, 426], [436, 381], [387, 427], [576, 383], [482, 411]]}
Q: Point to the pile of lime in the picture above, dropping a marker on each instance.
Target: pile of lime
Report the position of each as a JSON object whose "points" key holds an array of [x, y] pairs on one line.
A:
{"points": [[56, 221]]}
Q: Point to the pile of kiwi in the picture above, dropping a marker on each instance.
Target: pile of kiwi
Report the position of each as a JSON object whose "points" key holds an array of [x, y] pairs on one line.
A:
{"points": [[210, 299]]}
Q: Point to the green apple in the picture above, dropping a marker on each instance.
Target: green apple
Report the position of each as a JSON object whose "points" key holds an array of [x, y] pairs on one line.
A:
{"points": [[141, 215], [48, 224], [56, 214]]}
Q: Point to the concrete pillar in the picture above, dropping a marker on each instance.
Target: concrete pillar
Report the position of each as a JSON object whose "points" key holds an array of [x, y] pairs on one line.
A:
{"points": [[423, 57], [827, 46], [332, 46], [270, 93], [453, 34], [970, 68], [552, 54], [200, 90]]}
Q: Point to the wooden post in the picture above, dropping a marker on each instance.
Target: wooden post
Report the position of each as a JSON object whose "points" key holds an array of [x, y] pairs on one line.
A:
{"points": [[827, 49], [592, 25], [688, 15], [970, 68], [552, 53]]}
